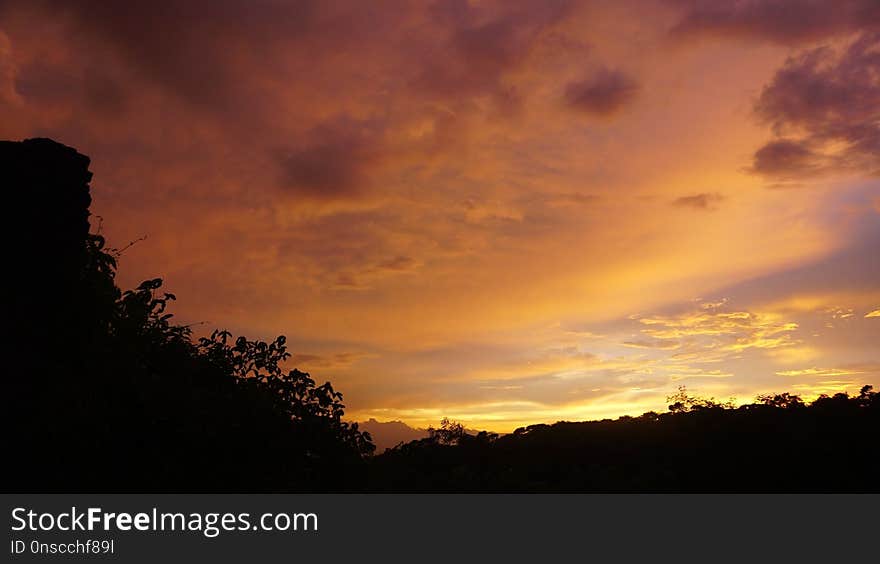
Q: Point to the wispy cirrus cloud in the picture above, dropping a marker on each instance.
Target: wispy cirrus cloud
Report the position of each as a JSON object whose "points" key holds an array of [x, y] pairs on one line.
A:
{"points": [[822, 372], [732, 330]]}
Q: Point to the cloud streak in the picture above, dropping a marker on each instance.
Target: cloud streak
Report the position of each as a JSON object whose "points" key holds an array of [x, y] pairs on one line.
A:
{"points": [[702, 201], [783, 21]]}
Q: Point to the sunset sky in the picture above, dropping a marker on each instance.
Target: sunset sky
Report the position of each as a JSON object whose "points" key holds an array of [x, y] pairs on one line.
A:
{"points": [[503, 212]]}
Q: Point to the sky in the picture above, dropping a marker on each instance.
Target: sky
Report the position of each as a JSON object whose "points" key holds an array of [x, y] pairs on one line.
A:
{"points": [[502, 212]]}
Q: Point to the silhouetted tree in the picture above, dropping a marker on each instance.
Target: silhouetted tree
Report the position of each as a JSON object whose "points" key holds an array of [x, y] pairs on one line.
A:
{"points": [[106, 393], [259, 364], [449, 433], [781, 400], [682, 402]]}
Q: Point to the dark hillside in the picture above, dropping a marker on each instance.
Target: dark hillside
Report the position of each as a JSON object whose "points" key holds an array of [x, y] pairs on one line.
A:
{"points": [[777, 445]]}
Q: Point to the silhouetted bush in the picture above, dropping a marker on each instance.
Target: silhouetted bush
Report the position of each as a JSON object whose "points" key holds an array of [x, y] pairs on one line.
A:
{"points": [[105, 393]]}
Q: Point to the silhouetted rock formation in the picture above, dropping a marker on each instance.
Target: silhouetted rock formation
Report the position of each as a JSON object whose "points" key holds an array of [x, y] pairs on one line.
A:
{"points": [[47, 217]]}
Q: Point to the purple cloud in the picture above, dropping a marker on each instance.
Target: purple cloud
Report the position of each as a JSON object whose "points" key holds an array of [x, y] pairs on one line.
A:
{"points": [[604, 93], [782, 21], [824, 108]]}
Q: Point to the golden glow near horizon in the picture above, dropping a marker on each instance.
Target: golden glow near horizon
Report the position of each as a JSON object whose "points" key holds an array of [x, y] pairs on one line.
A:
{"points": [[500, 212]]}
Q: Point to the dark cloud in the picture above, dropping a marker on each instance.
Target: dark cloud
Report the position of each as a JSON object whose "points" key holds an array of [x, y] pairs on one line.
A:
{"points": [[357, 277], [604, 93], [786, 158], [784, 21], [103, 94], [398, 263], [824, 108], [41, 83], [160, 39], [703, 201], [234, 67], [481, 44], [333, 160], [204, 51], [224, 54], [357, 242]]}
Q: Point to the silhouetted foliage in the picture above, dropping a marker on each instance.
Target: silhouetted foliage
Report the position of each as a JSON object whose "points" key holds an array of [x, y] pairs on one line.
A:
{"points": [[107, 393], [449, 433], [782, 400], [258, 364], [682, 402]]}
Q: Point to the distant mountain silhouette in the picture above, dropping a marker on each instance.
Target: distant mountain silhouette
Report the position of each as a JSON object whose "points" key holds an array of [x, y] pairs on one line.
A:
{"points": [[105, 393], [388, 434]]}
